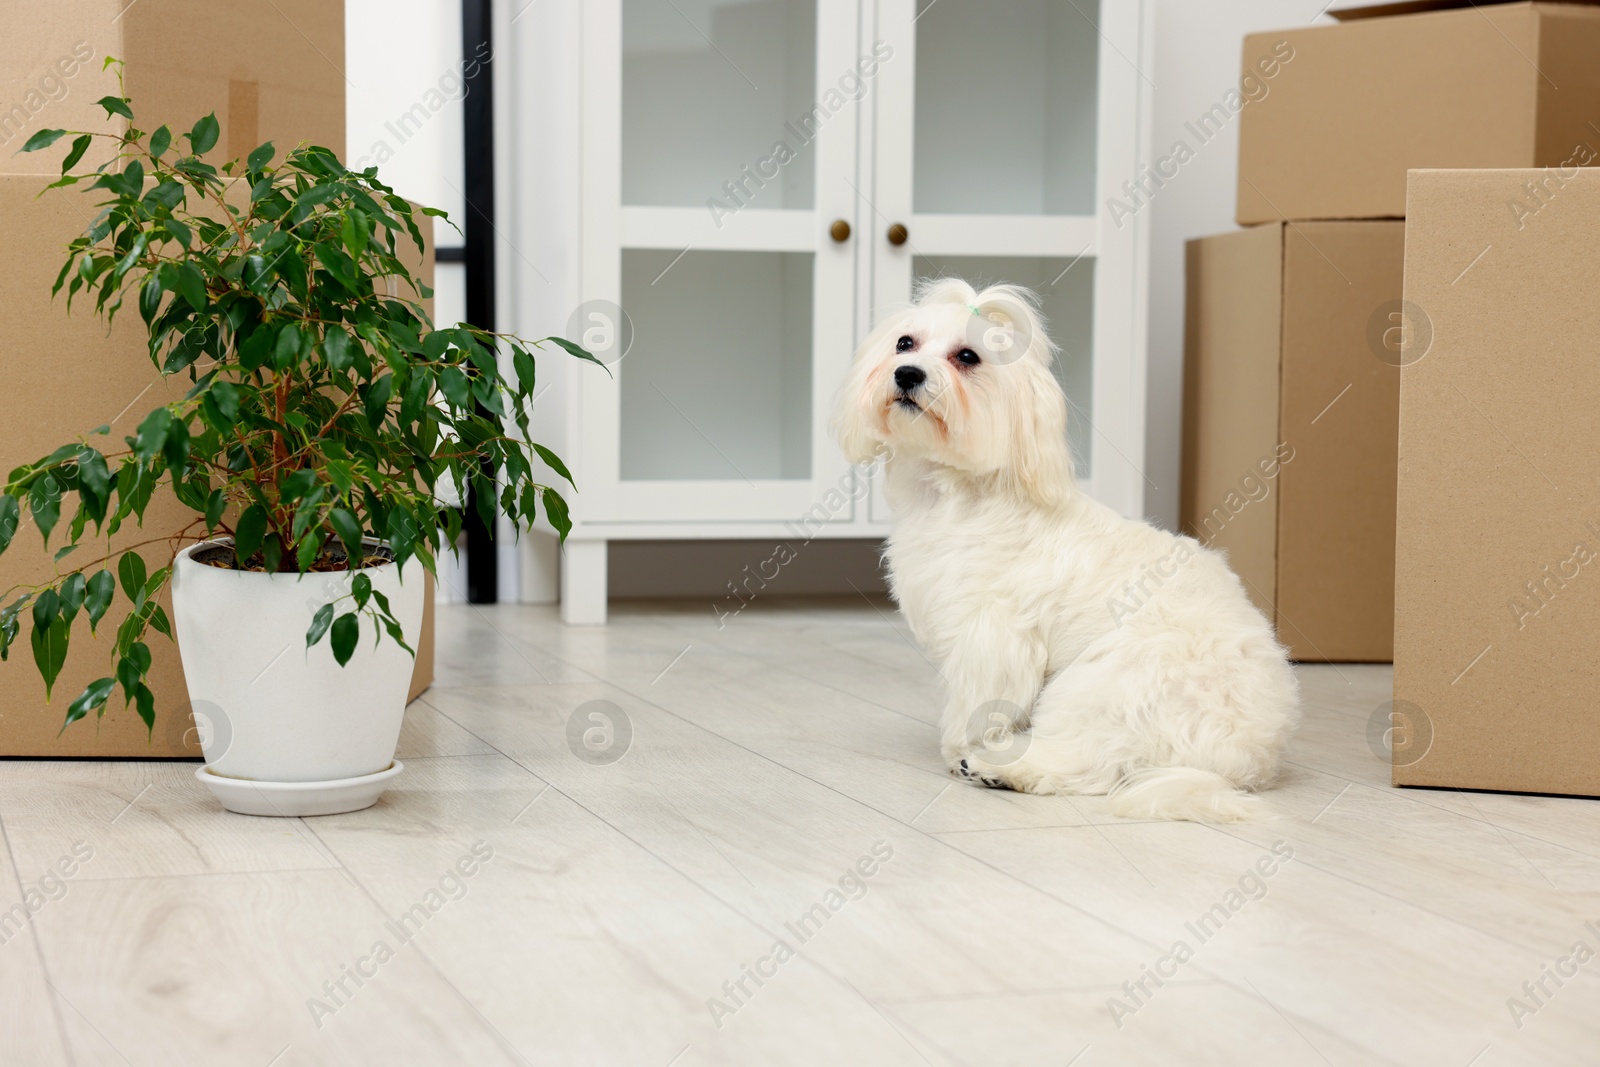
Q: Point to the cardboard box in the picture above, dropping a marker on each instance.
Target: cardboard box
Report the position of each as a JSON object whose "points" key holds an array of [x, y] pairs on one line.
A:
{"points": [[270, 69], [422, 668], [1291, 391], [1497, 601], [1360, 103], [66, 374]]}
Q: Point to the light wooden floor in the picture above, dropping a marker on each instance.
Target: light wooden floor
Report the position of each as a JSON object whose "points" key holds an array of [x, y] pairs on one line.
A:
{"points": [[766, 759]]}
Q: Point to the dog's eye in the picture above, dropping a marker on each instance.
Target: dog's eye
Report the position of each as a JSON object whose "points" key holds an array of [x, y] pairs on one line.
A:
{"points": [[905, 344], [967, 358]]}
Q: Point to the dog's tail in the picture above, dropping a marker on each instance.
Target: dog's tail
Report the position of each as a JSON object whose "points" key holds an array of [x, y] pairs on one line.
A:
{"points": [[1181, 793]]}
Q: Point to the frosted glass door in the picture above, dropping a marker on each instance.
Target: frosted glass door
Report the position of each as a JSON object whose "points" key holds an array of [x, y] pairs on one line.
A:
{"points": [[735, 157], [724, 395], [1005, 107], [994, 139], [708, 87]]}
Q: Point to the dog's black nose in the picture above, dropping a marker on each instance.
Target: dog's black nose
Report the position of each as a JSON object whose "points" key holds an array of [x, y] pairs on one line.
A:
{"points": [[908, 377]]}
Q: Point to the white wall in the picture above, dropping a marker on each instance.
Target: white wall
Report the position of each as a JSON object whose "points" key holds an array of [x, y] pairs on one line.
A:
{"points": [[401, 54], [403, 112], [1197, 60]]}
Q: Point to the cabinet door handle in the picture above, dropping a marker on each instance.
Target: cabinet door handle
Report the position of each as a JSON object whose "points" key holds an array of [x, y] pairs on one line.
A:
{"points": [[897, 234], [839, 231]]}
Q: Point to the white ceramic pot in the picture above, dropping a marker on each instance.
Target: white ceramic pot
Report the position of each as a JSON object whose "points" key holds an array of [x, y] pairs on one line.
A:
{"points": [[271, 711]]}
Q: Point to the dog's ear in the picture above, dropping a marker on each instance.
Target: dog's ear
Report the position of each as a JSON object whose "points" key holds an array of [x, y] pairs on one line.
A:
{"points": [[1040, 467], [855, 409], [854, 432]]}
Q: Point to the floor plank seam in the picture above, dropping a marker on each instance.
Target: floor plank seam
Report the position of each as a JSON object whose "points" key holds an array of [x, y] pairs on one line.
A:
{"points": [[67, 1050]]}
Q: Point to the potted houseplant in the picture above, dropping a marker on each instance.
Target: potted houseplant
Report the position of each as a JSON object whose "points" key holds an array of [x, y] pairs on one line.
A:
{"points": [[325, 418]]}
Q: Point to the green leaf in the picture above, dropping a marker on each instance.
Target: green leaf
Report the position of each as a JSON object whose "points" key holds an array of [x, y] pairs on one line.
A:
{"points": [[128, 672], [115, 105], [418, 389], [353, 231], [553, 461], [286, 353], [336, 345], [319, 624], [298, 484], [160, 141], [93, 696], [129, 183], [10, 516], [180, 232], [94, 480], [215, 504], [50, 652], [361, 588], [80, 145], [192, 284], [260, 157], [346, 632], [304, 516], [44, 500], [578, 350], [306, 553], [349, 530], [156, 580], [42, 139], [204, 135], [190, 347], [152, 434], [272, 552], [401, 534], [522, 362], [556, 509], [377, 400], [399, 636], [257, 347], [316, 196], [226, 395], [176, 448], [46, 609], [455, 386], [168, 194], [101, 588], [9, 625], [145, 701], [131, 571], [341, 266], [160, 623], [73, 591], [150, 298], [249, 531]]}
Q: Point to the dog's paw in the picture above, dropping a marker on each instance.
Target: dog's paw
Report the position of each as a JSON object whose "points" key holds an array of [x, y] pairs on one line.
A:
{"points": [[966, 773]]}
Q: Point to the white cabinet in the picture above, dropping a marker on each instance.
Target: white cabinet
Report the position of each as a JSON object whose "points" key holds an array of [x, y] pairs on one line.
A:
{"points": [[725, 147]]}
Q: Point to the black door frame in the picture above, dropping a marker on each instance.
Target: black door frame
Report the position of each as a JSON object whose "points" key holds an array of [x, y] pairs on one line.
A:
{"points": [[477, 51]]}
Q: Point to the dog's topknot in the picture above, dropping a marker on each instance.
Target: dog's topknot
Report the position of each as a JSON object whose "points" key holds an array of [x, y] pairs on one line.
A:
{"points": [[1003, 303]]}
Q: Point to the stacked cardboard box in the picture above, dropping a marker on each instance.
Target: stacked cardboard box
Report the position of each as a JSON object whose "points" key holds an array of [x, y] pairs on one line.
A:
{"points": [[1497, 602], [1494, 110], [1289, 425], [271, 70], [1297, 327]]}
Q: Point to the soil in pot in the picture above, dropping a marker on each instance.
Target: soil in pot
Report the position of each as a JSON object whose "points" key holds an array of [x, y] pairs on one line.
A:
{"points": [[333, 558]]}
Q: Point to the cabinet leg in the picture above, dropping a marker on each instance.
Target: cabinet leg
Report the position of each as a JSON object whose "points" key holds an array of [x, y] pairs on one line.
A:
{"points": [[583, 583]]}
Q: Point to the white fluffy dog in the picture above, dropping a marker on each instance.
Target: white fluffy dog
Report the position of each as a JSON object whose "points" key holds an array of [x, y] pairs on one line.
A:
{"points": [[1082, 652]]}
